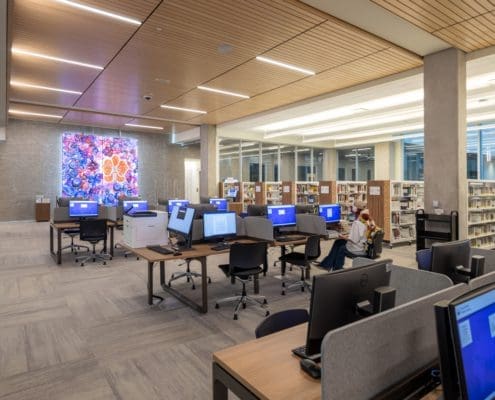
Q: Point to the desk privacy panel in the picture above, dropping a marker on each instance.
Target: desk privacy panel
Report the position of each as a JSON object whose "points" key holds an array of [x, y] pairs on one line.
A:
{"points": [[99, 168]]}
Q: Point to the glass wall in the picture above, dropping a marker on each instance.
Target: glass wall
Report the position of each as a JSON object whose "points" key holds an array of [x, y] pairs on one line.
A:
{"points": [[250, 155], [228, 159], [304, 172], [356, 164], [288, 163], [269, 157], [414, 159]]}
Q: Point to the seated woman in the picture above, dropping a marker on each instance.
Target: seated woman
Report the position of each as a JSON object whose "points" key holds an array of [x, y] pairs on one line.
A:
{"points": [[352, 245]]}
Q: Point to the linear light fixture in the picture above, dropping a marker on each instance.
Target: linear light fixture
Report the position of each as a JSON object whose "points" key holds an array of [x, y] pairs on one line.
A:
{"points": [[284, 65], [28, 85], [100, 12], [34, 114], [388, 139], [159, 128], [15, 50], [209, 89], [183, 109]]}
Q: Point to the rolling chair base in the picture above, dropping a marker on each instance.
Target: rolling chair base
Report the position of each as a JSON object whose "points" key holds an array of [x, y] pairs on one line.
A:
{"points": [[242, 300], [74, 248], [298, 284], [94, 256], [189, 275]]}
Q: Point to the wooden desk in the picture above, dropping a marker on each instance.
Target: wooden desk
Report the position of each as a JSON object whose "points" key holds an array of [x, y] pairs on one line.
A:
{"points": [[264, 368], [61, 226]]}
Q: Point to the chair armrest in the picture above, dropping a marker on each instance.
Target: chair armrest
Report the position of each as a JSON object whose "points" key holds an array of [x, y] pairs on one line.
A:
{"points": [[463, 270]]}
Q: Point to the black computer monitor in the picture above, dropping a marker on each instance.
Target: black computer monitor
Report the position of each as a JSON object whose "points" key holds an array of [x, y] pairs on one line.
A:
{"points": [[177, 202], [132, 206], [281, 215], [445, 257], [221, 204], [180, 222], [471, 322], [219, 226], [337, 297], [83, 208], [329, 212]]}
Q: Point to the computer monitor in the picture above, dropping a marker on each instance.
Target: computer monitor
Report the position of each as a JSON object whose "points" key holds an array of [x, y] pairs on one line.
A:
{"points": [[219, 225], [281, 215], [132, 206], [445, 257], [180, 222], [221, 204], [83, 208], [337, 297], [329, 212], [176, 202], [232, 192], [471, 320]]}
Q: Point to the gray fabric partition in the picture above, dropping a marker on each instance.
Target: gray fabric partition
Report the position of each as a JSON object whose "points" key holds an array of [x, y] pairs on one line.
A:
{"points": [[259, 227], [197, 230], [313, 224], [363, 359], [489, 258], [411, 284], [240, 226], [482, 280]]}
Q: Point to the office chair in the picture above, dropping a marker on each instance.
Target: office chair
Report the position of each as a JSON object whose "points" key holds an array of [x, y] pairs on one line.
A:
{"points": [[93, 231], [246, 262], [74, 248], [281, 320], [303, 261], [374, 249], [187, 273]]}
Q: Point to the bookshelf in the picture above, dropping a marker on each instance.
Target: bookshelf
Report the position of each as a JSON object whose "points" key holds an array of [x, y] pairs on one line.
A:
{"points": [[327, 192], [223, 189], [307, 192], [481, 213], [349, 192], [393, 205], [247, 191]]}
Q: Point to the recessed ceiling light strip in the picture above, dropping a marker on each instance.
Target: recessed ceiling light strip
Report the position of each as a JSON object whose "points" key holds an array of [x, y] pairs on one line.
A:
{"points": [[15, 50], [34, 114], [284, 65], [183, 109], [209, 89], [100, 12], [145, 126], [28, 85]]}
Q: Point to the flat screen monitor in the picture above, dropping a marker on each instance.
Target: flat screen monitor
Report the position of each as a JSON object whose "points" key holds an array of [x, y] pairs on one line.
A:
{"points": [[221, 204], [181, 220], [219, 225], [282, 215], [131, 206], [232, 192], [445, 257], [330, 212], [83, 208], [336, 295], [472, 319], [176, 202]]}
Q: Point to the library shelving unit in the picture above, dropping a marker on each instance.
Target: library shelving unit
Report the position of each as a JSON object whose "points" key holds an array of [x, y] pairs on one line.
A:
{"points": [[327, 192], [307, 192], [431, 228], [267, 193], [393, 205], [349, 192], [223, 189], [247, 191], [481, 213], [288, 192]]}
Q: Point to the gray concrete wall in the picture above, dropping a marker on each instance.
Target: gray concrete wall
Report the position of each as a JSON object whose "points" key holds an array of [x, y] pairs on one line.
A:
{"points": [[208, 182], [30, 164]]}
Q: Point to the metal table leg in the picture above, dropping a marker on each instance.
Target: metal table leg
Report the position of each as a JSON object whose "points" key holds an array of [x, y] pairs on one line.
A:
{"points": [[150, 285]]}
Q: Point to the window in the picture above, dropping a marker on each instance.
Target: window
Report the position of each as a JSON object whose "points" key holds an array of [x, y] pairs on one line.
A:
{"points": [[250, 154], [228, 159], [288, 162], [414, 159], [357, 164], [304, 165], [269, 159]]}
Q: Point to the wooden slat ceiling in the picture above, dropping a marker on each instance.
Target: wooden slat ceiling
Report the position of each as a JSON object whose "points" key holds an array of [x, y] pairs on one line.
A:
{"points": [[468, 25], [185, 43]]}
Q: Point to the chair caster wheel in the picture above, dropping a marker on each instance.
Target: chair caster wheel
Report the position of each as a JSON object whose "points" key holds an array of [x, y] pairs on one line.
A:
{"points": [[104, 263], [82, 264], [187, 280], [125, 255], [302, 289], [264, 301], [283, 292], [283, 284], [267, 313], [217, 306], [243, 305], [169, 284], [110, 258], [75, 253], [235, 316], [193, 287], [137, 258], [209, 280]]}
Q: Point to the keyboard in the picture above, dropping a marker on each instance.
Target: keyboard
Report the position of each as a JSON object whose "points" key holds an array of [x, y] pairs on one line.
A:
{"points": [[291, 238], [221, 246], [301, 352], [160, 249]]}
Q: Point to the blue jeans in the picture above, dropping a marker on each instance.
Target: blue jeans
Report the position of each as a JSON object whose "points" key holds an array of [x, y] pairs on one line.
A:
{"points": [[336, 258]]}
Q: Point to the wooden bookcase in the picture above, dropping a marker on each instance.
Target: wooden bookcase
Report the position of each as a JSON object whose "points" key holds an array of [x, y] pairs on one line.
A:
{"points": [[327, 191], [223, 189], [307, 192], [288, 192], [481, 214]]}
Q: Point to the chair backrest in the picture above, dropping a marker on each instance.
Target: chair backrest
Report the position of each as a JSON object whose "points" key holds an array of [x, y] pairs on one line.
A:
{"points": [[248, 255], [376, 246], [93, 229], [423, 258], [281, 320], [312, 249]]}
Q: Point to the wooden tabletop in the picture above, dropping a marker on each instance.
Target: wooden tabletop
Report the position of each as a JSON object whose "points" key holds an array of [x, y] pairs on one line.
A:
{"points": [[74, 224], [267, 367]]}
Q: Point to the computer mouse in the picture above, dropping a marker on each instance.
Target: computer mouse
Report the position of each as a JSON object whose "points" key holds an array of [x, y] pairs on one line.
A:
{"points": [[177, 253], [311, 368]]}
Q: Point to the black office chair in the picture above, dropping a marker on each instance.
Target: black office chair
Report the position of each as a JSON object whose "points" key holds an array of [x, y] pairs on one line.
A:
{"points": [[93, 231], [246, 262], [281, 320], [374, 249], [74, 248], [303, 261]]}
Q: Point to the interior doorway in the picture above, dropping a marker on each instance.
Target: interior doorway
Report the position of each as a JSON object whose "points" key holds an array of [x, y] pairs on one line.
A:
{"points": [[192, 168]]}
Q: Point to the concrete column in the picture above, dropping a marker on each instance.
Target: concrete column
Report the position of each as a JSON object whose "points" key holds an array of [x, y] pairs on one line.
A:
{"points": [[398, 160], [330, 164], [208, 183], [445, 133], [3, 69], [384, 161]]}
